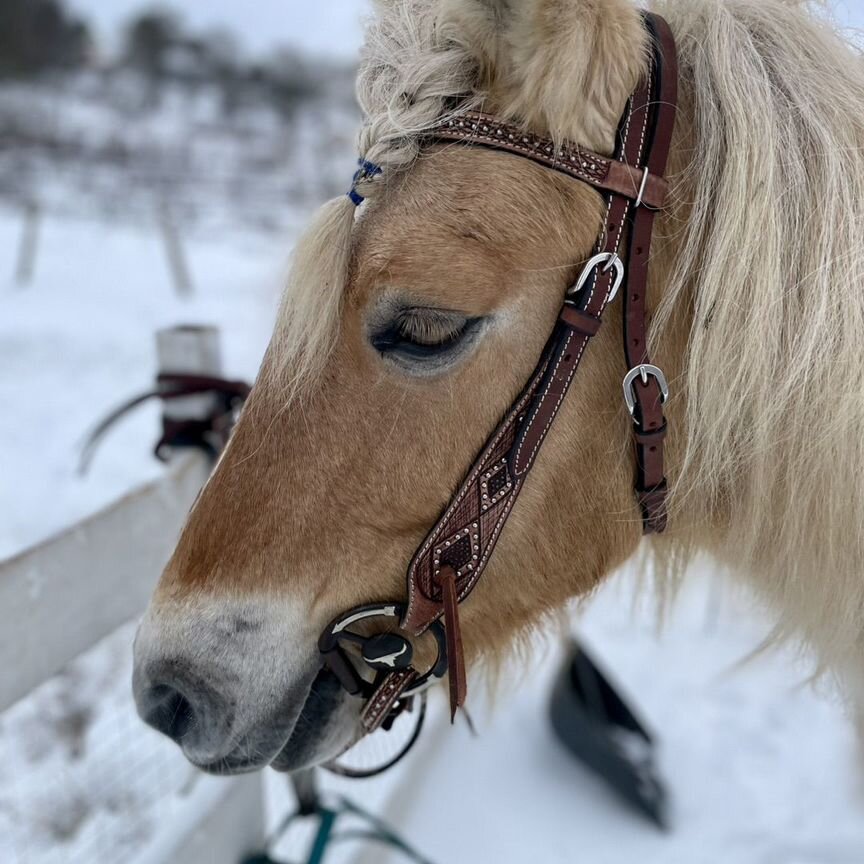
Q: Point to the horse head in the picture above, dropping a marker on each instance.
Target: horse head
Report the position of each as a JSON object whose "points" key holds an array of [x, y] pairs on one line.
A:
{"points": [[412, 322]]}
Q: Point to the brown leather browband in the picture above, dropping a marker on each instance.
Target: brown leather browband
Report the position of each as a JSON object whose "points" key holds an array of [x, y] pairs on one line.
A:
{"points": [[454, 555], [574, 160]]}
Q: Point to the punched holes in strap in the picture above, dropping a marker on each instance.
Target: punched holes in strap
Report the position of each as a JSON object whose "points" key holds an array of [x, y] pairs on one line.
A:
{"points": [[650, 437]]}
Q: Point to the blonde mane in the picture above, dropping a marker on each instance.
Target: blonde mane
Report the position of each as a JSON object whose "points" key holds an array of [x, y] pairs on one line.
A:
{"points": [[769, 263]]}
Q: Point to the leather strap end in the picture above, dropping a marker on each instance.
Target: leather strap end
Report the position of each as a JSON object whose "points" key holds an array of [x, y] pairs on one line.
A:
{"points": [[455, 654], [653, 504]]}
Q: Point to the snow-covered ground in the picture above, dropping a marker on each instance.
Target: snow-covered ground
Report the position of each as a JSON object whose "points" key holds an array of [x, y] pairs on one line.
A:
{"points": [[80, 339], [761, 768]]}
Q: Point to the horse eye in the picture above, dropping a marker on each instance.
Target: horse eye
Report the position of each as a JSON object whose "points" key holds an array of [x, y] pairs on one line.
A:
{"points": [[418, 334]]}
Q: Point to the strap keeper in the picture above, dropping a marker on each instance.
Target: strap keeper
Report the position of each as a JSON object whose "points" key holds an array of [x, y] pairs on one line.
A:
{"points": [[580, 321], [650, 437], [640, 197], [652, 502]]}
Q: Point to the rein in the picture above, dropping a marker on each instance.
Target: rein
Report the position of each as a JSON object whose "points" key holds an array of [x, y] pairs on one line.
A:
{"points": [[454, 555]]}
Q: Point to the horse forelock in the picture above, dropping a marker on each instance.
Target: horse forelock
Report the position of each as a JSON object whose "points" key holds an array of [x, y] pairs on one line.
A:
{"points": [[422, 62]]}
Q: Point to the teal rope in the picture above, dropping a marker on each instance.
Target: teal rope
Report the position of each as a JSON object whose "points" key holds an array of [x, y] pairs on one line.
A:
{"points": [[326, 835]]}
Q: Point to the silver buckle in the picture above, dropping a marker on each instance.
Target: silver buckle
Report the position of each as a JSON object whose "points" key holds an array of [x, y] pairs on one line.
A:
{"points": [[644, 372], [610, 259]]}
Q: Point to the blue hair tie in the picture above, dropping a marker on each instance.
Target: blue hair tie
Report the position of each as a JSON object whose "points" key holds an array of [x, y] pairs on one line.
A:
{"points": [[366, 170]]}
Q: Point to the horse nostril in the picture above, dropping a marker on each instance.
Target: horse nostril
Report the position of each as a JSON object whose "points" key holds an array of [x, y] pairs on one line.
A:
{"points": [[169, 712]]}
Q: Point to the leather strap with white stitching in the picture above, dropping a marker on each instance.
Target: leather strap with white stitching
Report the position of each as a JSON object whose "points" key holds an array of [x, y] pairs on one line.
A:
{"points": [[465, 536]]}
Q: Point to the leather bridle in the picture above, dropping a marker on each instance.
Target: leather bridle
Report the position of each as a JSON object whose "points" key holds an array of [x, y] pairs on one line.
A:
{"points": [[454, 555]]}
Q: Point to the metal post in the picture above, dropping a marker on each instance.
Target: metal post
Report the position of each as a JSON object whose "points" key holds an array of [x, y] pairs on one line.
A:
{"points": [[189, 350]]}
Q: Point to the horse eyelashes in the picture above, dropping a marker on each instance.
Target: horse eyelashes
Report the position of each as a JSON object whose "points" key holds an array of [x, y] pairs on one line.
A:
{"points": [[426, 330]]}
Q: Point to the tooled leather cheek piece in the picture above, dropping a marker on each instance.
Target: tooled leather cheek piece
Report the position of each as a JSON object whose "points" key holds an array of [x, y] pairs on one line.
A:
{"points": [[450, 561]]}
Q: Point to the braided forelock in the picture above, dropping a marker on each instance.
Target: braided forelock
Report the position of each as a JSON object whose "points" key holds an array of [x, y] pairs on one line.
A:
{"points": [[413, 71]]}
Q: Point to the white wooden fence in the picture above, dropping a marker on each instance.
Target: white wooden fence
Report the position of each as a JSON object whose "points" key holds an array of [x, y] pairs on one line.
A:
{"points": [[61, 597], [64, 595]]}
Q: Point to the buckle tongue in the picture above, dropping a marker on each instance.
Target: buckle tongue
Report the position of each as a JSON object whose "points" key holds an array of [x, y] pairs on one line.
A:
{"points": [[610, 260]]}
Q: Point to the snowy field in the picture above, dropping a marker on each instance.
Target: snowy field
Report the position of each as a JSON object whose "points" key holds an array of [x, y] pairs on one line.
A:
{"points": [[762, 767], [80, 339]]}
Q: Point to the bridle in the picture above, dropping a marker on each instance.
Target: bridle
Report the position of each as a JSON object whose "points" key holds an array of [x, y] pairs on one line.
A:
{"points": [[452, 558]]}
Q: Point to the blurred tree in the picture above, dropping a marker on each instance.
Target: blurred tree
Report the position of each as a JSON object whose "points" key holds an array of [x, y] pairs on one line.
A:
{"points": [[221, 48], [37, 35], [289, 80], [149, 39], [224, 66]]}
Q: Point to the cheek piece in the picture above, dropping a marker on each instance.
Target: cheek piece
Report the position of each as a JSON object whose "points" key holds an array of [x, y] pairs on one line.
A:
{"points": [[454, 555]]}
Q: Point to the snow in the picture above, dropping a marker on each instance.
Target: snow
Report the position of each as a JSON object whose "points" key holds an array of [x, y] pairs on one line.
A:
{"points": [[82, 779], [762, 769], [80, 339]]}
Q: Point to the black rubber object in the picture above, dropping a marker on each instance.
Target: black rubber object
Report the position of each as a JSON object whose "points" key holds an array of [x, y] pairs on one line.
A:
{"points": [[592, 720]]}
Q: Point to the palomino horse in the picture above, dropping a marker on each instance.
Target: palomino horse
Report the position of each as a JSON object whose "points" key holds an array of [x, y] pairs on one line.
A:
{"points": [[411, 324]]}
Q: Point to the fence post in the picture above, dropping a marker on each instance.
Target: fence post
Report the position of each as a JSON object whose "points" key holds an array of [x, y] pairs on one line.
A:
{"points": [[29, 243], [189, 349], [174, 251]]}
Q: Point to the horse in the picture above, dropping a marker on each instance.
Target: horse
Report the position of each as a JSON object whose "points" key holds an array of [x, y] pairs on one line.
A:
{"points": [[418, 305]]}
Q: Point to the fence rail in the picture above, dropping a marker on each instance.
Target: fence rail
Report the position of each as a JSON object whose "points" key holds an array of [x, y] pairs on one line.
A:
{"points": [[64, 595]]}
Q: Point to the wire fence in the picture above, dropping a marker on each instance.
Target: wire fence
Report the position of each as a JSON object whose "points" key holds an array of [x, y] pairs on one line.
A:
{"points": [[82, 779]]}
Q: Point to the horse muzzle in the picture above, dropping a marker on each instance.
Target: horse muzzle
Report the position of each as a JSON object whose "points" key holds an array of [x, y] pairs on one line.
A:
{"points": [[238, 690]]}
